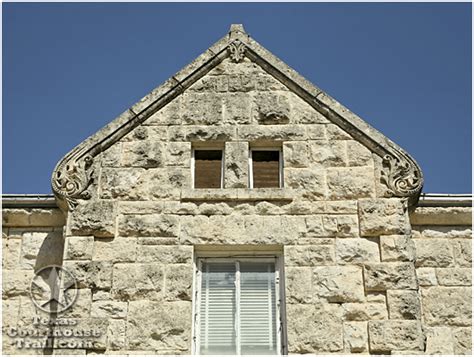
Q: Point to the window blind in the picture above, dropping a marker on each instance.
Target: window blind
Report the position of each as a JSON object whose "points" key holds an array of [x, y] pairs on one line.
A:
{"points": [[207, 168], [266, 168], [238, 308]]}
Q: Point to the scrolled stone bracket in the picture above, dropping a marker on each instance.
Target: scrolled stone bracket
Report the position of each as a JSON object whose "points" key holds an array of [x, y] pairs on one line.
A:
{"points": [[71, 178], [402, 176], [237, 51]]}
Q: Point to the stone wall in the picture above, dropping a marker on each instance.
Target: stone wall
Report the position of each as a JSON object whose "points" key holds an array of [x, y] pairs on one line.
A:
{"points": [[351, 270]]}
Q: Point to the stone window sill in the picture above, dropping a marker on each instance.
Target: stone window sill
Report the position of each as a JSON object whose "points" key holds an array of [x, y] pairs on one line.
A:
{"points": [[238, 194]]}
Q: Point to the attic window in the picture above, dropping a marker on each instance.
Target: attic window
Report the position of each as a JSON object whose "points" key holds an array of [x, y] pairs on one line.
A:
{"points": [[266, 168], [207, 168]]}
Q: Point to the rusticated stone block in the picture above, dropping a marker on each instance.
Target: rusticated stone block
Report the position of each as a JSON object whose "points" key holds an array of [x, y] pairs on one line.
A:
{"points": [[145, 153], [309, 255], [148, 225], [170, 114], [433, 253], [271, 108], [328, 154], [314, 328], [348, 183], [384, 276], [295, 154], [109, 309], [178, 154], [439, 341], [358, 154], [82, 305], [298, 282], [399, 335], [271, 132], [397, 248], [79, 248], [137, 281], [123, 184], [40, 249], [311, 181], [382, 216], [164, 254], [336, 133], [11, 253], [118, 249], [236, 164], [403, 305], [116, 335], [202, 133], [88, 274], [454, 276], [447, 306], [178, 282], [338, 283], [201, 109], [426, 276], [237, 107], [462, 340], [365, 311], [16, 282], [153, 325], [357, 251], [356, 337], [94, 218], [463, 252]]}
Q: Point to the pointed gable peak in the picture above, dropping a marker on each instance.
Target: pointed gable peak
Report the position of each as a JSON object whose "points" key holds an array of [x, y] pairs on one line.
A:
{"points": [[73, 174]]}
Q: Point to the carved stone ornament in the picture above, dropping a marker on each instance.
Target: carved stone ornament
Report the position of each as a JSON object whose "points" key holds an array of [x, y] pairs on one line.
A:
{"points": [[237, 51], [402, 177], [71, 179]]}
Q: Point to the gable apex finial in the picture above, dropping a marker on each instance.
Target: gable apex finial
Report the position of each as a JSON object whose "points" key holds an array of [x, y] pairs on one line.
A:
{"points": [[236, 28]]}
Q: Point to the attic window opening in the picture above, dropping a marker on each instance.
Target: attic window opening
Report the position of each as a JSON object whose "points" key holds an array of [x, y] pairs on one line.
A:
{"points": [[207, 168], [266, 168]]}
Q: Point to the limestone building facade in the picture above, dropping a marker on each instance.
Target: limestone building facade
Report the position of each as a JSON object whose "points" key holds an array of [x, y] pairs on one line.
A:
{"points": [[239, 209]]}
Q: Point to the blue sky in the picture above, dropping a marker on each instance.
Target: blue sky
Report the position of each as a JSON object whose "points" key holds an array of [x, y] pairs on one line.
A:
{"points": [[69, 69]]}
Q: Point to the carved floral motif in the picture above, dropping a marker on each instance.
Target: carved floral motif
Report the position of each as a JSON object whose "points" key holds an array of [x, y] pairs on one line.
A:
{"points": [[402, 177], [237, 51]]}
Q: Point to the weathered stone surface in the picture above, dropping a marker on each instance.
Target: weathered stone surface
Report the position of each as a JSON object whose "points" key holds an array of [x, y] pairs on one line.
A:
{"points": [[148, 225], [439, 341], [358, 154], [40, 249], [201, 109], [357, 251], [145, 153], [385, 336], [336, 133], [178, 282], [433, 253], [164, 254], [82, 305], [449, 216], [328, 154], [447, 306], [348, 183], [159, 325], [426, 276], [123, 183], [384, 276], [338, 283], [271, 108], [365, 311], [16, 282], [109, 309], [298, 281], [382, 216], [236, 165], [178, 154], [115, 250], [94, 218], [237, 108], [462, 340], [11, 253], [79, 248], [32, 217], [403, 305], [272, 132], [356, 337], [309, 255], [137, 281], [454, 276], [442, 232], [116, 335], [88, 274], [397, 248], [296, 154], [320, 331], [462, 249]]}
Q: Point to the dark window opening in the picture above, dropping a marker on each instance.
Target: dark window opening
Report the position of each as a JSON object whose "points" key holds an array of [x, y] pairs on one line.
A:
{"points": [[207, 168], [266, 168]]}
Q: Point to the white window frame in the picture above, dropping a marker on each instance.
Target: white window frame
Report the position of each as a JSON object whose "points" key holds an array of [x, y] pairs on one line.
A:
{"points": [[280, 164], [280, 317], [204, 148]]}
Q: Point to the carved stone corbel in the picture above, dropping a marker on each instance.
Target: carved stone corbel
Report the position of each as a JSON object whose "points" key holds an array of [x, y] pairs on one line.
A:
{"points": [[402, 176], [71, 178], [237, 51]]}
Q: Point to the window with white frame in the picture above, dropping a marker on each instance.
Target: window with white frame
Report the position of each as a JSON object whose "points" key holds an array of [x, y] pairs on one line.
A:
{"points": [[265, 168], [207, 167], [237, 306]]}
